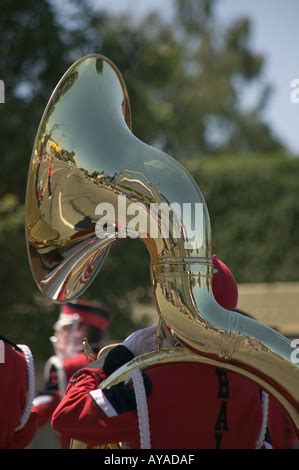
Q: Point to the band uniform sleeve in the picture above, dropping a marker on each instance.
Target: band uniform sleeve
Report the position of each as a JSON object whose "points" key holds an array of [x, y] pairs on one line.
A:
{"points": [[22, 438], [190, 406], [13, 373], [47, 399], [94, 416]]}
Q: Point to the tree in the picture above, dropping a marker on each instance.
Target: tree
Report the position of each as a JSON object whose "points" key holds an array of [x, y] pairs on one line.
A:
{"points": [[218, 68], [184, 81]]}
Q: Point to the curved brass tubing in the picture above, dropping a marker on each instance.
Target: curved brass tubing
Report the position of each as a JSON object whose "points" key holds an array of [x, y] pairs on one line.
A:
{"points": [[85, 154]]}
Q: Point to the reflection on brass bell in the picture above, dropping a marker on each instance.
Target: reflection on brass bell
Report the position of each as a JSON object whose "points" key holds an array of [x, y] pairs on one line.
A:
{"points": [[85, 154]]}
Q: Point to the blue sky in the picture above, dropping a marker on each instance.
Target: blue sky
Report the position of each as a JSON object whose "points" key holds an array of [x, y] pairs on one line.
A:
{"points": [[275, 34]]}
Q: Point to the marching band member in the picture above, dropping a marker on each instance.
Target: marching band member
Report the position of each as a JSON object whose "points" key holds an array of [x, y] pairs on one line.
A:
{"points": [[18, 421], [282, 432], [280, 428], [78, 320], [188, 405]]}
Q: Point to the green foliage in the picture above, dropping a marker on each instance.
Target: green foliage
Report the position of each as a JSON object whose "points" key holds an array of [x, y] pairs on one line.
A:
{"points": [[185, 82], [253, 205], [217, 70]]}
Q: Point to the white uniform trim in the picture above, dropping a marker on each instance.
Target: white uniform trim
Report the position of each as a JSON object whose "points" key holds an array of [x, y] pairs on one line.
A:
{"points": [[31, 386], [102, 402], [267, 445], [142, 409], [141, 405], [42, 400], [260, 442]]}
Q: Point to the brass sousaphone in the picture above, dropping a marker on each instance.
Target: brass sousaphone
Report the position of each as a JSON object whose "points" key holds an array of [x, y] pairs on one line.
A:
{"points": [[85, 154]]}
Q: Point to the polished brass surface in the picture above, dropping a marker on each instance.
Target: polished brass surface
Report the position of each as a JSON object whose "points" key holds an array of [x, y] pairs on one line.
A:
{"points": [[87, 349], [84, 154], [175, 356], [178, 355]]}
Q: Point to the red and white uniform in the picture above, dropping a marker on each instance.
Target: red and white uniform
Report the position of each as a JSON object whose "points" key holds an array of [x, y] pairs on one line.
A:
{"points": [[17, 427], [57, 374], [67, 343], [282, 431], [189, 406]]}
